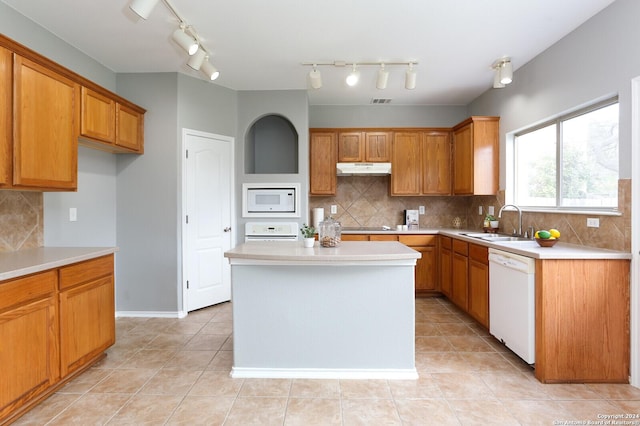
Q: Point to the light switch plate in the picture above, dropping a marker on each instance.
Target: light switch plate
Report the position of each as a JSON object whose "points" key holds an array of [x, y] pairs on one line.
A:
{"points": [[73, 214], [421, 209], [491, 210], [334, 209], [480, 210]]}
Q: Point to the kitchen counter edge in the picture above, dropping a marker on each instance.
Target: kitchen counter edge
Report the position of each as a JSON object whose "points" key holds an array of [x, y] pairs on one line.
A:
{"points": [[14, 264]]}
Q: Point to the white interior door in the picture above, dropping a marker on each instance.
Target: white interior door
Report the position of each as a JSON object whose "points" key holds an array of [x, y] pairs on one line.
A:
{"points": [[207, 222]]}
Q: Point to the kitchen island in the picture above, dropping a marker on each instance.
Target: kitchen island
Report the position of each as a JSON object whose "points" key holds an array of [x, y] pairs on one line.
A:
{"points": [[340, 312]]}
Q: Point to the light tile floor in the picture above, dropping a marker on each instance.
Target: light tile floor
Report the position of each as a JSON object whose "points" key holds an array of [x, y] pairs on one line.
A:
{"points": [[176, 371]]}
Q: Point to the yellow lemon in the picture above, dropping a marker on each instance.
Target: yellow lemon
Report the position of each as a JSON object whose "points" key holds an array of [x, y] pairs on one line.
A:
{"points": [[554, 233], [537, 234]]}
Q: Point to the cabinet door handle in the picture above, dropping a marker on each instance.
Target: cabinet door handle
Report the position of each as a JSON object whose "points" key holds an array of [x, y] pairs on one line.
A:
{"points": [[227, 229]]}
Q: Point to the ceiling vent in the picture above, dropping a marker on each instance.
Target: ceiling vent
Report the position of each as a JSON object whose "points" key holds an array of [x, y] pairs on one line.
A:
{"points": [[380, 101]]}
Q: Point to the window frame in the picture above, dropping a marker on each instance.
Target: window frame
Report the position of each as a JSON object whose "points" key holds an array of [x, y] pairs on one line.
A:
{"points": [[511, 153]]}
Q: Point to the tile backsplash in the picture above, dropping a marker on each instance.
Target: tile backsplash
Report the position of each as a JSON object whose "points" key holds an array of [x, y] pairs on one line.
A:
{"points": [[21, 220], [365, 201]]}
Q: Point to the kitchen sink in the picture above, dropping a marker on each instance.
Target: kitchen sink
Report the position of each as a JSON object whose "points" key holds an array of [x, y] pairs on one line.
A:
{"points": [[495, 237]]}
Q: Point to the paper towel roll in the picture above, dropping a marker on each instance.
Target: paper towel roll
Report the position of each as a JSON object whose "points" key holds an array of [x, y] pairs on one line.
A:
{"points": [[318, 216]]}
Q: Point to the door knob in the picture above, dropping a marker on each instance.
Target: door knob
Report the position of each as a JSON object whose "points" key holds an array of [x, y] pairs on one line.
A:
{"points": [[227, 229]]}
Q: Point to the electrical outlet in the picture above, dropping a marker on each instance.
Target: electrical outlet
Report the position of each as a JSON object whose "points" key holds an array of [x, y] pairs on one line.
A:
{"points": [[421, 209], [593, 222], [480, 210], [73, 214], [491, 210], [334, 209]]}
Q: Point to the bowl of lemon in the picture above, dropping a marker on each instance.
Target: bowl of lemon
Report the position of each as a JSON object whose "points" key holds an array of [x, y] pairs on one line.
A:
{"points": [[546, 238]]}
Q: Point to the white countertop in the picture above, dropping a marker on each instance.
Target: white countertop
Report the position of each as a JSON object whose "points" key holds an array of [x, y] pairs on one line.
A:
{"points": [[526, 248], [347, 253], [30, 261]]}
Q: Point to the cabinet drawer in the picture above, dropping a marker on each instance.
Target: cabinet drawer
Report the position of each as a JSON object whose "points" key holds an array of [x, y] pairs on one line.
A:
{"points": [[461, 247], [418, 240], [479, 253], [379, 237], [20, 290], [86, 271], [445, 243], [354, 237]]}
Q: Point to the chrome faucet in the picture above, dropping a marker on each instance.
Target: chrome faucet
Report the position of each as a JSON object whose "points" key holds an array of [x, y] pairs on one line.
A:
{"points": [[519, 216]]}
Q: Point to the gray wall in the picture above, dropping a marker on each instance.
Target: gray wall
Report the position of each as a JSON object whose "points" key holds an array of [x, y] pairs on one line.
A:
{"points": [[386, 116], [253, 105], [597, 60], [149, 186], [95, 202]]}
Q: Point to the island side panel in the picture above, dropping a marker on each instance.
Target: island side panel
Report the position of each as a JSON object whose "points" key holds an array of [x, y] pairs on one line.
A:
{"points": [[323, 321]]}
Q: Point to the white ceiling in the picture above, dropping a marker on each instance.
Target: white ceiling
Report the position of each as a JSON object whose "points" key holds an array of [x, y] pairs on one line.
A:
{"points": [[260, 45]]}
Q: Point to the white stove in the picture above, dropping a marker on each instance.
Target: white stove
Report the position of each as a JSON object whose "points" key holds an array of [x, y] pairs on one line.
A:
{"points": [[271, 231]]}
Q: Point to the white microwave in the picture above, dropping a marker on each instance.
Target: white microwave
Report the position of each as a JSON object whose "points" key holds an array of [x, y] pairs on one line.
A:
{"points": [[270, 200]]}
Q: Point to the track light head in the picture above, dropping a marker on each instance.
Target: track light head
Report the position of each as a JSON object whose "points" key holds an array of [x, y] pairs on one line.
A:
{"points": [[196, 60], [410, 78], [506, 72], [209, 70], [315, 79], [353, 77], [185, 41], [143, 8], [383, 78]]}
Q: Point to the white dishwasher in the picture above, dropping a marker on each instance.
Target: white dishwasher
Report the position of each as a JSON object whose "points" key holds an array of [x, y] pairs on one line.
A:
{"points": [[512, 302]]}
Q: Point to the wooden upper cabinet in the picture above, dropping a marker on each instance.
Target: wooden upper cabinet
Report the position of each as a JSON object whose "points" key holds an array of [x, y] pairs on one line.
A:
{"points": [[364, 146], [350, 147], [6, 68], [323, 156], [406, 164], [98, 116], [436, 167], [377, 147], [107, 124], [45, 143], [475, 156], [129, 128]]}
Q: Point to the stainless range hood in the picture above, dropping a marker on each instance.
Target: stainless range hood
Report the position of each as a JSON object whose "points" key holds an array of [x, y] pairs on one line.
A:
{"points": [[358, 169]]}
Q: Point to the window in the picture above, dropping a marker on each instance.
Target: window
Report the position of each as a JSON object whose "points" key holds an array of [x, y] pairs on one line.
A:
{"points": [[570, 162]]}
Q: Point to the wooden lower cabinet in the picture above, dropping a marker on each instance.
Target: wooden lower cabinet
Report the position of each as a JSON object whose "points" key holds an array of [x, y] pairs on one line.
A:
{"points": [[58, 323], [582, 321], [87, 306], [29, 334], [478, 303], [460, 274], [426, 272], [445, 266]]}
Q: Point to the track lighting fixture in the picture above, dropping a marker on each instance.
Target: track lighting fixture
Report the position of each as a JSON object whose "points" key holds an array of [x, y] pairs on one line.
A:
{"points": [[410, 78], [315, 78], [184, 40], [353, 77], [383, 77], [209, 70], [143, 8], [185, 36], [503, 72]]}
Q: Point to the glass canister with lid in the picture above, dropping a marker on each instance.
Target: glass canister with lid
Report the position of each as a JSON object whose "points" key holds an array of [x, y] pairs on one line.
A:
{"points": [[330, 232]]}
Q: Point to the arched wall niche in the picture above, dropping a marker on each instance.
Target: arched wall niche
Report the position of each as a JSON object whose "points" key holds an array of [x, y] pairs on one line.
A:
{"points": [[271, 146]]}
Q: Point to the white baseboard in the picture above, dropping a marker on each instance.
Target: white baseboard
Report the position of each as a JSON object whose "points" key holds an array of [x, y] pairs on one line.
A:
{"points": [[321, 373], [150, 314]]}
